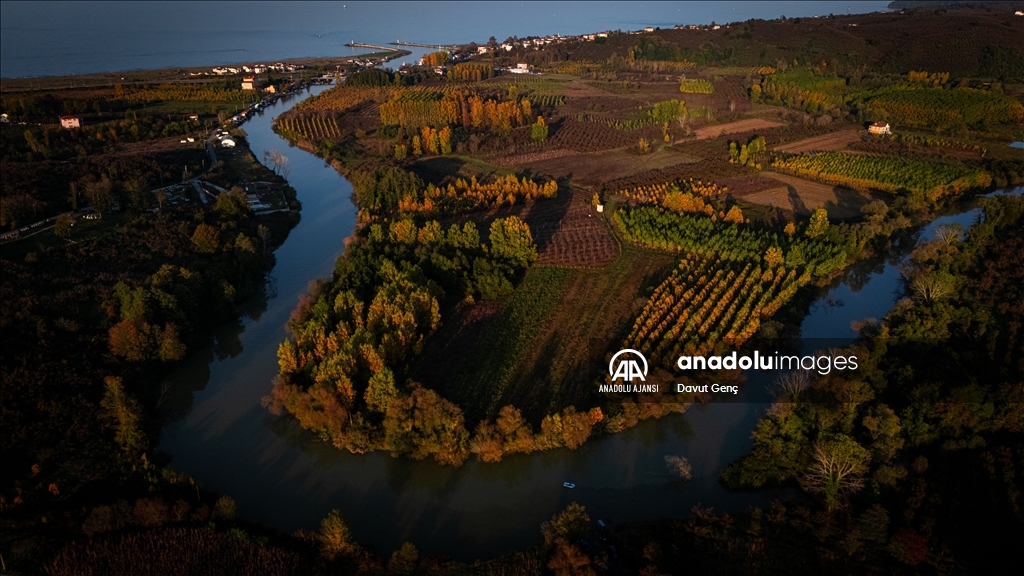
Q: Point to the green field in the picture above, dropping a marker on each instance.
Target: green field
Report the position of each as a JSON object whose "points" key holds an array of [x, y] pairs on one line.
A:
{"points": [[537, 352]]}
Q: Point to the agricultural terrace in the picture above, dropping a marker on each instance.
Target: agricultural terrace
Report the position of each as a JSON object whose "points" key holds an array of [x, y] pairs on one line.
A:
{"points": [[889, 174]]}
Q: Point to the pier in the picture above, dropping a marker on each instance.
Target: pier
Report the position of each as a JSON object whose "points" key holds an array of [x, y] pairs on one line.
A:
{"points": [[374, 46], [435, 46]]}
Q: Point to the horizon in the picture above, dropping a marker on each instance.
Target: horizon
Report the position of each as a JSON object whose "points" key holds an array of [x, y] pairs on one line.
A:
{"points": [[97, 37]]}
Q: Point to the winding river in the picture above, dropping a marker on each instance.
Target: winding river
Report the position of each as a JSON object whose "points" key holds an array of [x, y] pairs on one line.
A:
{"points": [[280, 476]]}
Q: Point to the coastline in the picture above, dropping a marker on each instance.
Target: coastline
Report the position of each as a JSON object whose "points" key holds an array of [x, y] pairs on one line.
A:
{"points": [[175, 74]]}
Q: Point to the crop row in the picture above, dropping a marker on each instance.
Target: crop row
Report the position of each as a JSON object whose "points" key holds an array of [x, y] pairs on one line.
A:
{"points": [[708, 300], [670, 230], [884, 173], [314, 128]]}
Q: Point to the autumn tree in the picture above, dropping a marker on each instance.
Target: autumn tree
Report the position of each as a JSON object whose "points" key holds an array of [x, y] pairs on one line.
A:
{"points": [[205, 239], [123, 413], [568, 524], [569, 560], [335, 537]]}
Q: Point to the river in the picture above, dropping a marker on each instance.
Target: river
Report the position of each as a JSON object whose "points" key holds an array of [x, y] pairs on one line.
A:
{"points": [[282, 477]]}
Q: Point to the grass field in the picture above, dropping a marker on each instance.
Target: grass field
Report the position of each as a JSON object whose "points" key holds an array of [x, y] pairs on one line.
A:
{"points": [[541, 349]]}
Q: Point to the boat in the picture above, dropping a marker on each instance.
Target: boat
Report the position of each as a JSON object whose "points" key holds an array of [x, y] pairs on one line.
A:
{"points": [[568, 485]]}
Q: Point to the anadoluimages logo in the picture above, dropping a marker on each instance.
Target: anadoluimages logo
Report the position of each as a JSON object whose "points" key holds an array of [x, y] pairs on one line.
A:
{"points": [[627, 368]]}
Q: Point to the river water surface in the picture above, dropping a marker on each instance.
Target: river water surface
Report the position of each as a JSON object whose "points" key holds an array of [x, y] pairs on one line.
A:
{"points": [[282, 477]]}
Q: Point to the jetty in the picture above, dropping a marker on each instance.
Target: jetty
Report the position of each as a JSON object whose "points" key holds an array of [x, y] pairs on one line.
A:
{"points": [[435, 46], [374, 46]]}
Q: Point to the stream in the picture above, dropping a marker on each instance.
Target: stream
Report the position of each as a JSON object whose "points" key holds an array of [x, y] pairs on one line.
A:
{"points": [[281, 476]]}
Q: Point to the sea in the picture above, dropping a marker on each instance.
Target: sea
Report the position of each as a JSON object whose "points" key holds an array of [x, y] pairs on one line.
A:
{"points": [[64, 38]]}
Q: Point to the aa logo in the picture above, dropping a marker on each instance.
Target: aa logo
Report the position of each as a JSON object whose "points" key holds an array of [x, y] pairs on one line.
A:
{"points": [[623, 366]]}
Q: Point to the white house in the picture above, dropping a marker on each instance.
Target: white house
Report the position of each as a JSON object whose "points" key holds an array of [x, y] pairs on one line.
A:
{"points": [[70, 122], [880, 128], [249, 83]]}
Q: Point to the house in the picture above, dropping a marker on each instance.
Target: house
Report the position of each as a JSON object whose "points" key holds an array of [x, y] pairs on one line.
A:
{"points": [[193, 117], [270, 89], [70, 122], [880, 128], [523, 66], [249, 83], [649, 29], [1019, 13], [227, 143], [482, 49]]}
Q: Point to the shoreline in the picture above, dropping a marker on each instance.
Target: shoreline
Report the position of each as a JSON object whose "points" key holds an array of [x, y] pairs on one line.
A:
{"points": [[173, 74]]}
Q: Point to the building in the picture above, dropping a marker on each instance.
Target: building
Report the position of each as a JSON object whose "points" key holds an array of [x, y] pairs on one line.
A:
{"points": [[880, 128], [193, 117], [523, 66], [248, 83], [649, 29], [70, 122]]}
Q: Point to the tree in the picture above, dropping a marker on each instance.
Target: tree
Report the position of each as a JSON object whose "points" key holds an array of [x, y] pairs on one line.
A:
{"points": [[511, 240], [539, 131], [100, 194], [790, 229], [161, 197], [836, 469], [335, 537], [205, 239], [123, 413], [381, 390], [568, 524], [678, 467], [403, 560], [819, 224], [644, 146], [264, 233], [62, 227], [773, 257], [568, 560]]}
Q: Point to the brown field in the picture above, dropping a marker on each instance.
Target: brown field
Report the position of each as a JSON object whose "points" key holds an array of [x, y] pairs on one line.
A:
{"points": [[804, 196], [708, 132], [594, 169], [831, 141]]}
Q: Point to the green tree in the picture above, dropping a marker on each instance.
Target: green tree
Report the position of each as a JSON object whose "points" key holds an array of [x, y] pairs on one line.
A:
{"points": [[539, 131], [511, 240], [381, 390], [819, 224]]}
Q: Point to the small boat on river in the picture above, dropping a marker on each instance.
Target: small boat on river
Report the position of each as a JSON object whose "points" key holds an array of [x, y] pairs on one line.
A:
{"points": [[568, 485]]}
